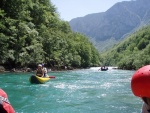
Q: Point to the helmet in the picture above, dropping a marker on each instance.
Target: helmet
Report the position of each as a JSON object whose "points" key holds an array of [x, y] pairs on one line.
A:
{"points": [[140, 82], [5, 105], [40, 65]]}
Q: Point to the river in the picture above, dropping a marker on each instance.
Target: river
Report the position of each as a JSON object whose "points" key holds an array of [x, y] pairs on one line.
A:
{"points": [[77, 91]]}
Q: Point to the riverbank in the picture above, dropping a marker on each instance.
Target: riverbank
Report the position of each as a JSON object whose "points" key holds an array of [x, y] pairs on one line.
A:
{"points": [[27, 69], [54, 69]]}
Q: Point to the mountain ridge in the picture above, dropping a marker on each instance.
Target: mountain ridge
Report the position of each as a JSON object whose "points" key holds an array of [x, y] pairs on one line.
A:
{"points": [[118, 21]]}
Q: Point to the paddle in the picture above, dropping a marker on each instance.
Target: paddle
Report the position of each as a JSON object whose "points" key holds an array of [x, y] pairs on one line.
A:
{"points": [[51, 76]]}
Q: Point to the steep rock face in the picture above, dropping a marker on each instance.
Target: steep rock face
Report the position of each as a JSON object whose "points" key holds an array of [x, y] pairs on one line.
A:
{"points": [[116, 22]]}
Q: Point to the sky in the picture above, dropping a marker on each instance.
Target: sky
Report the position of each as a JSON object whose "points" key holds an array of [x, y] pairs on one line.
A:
{"points": [[69, 9]]}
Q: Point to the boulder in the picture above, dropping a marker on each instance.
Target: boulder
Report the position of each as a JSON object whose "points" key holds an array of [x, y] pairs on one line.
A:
{"points": [[2, 69]]}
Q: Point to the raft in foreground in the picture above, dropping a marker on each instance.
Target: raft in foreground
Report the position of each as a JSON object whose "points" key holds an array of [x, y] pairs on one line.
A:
{"points": [[38, 80]]}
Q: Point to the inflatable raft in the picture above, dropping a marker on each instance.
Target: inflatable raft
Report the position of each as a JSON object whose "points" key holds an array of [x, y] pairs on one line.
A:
{"points": [[38, 80], [104, 68]]}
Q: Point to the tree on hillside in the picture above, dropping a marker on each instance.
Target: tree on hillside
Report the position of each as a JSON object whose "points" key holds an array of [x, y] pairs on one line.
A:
{"points": [[31, 32], [132, 53]]}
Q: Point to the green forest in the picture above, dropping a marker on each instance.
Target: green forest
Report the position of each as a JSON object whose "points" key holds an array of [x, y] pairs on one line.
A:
{"points": [[32, 32], [132, 53]]}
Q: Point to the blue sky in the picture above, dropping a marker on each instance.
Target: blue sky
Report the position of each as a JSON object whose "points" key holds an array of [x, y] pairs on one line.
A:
{"points": [[69, 9]]}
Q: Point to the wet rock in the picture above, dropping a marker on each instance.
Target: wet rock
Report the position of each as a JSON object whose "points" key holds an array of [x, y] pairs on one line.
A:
{"points": [[2, 69]]}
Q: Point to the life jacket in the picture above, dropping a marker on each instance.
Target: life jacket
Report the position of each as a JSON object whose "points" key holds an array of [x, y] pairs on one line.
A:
{"points": [[39, 71]]}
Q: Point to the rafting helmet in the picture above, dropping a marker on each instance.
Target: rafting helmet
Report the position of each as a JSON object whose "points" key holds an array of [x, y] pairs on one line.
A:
{"points": [[140, 82], [5, 106], [40, 65]]}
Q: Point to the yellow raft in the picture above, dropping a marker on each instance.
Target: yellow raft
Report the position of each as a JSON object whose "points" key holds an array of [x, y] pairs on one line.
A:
{"points": [[38, 80]]}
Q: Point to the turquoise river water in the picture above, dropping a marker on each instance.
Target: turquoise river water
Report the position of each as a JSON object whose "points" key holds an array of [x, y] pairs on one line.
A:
{"points": [[77, 91]]}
